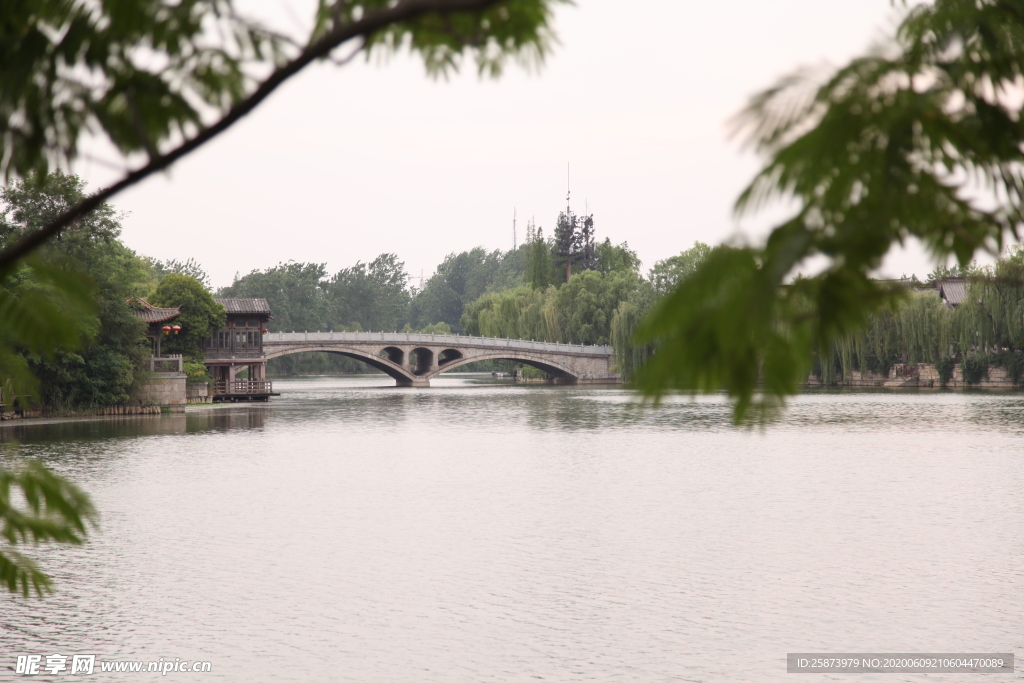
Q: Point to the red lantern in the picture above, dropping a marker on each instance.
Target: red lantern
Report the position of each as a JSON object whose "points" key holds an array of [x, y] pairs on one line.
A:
{"points": [[177, 329], [265, 330], [167, 329]]}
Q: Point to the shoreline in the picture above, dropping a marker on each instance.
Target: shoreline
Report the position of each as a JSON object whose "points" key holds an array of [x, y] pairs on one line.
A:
{"points": [[808, 388]]}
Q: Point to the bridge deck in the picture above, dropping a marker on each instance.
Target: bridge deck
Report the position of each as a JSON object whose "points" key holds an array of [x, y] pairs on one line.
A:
{"points": [[435, 339]]}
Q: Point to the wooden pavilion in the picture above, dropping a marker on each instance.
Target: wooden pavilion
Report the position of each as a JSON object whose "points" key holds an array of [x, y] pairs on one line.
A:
{"points": [[238, 347]]}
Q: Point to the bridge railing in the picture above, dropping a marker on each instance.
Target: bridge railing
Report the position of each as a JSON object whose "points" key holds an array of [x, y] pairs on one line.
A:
{"points": [[445, 339]]}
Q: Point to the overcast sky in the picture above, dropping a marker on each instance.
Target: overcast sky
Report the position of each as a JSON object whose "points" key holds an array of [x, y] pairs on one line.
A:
{"points": [[345, 163]]}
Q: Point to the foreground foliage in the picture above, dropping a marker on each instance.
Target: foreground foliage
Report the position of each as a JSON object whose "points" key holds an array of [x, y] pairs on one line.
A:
{"points": [[889, 148], [37, 506]]}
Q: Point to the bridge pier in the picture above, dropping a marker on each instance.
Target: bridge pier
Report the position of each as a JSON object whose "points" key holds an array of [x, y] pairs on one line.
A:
{"points": [[421, 383]]}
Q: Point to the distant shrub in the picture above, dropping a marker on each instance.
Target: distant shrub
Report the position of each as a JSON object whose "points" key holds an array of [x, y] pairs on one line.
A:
{"points": [[196, 372], [975, 369], [945, 370], [1013, 363]]}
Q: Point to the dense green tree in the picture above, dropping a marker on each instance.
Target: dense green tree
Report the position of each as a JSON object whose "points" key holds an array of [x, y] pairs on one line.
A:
{"points": [[573, 248], [296, 293], [51, 313], [189, 267], [508, 268], [668, 273], [104, 370], [461, 279], [564, 245], [437, 301], [200, 314], [588, 254], [917, 329], [374, 295], [616, 258], [436, 328], [573, 243], [587, 304]]}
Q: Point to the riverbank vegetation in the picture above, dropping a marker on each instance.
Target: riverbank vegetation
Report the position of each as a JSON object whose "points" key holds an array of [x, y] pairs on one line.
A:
{"points": [[592, 292], [986, 329]]}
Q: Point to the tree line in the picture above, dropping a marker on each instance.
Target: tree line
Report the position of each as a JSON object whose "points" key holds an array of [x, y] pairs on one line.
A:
{"points": [[569, 288]]}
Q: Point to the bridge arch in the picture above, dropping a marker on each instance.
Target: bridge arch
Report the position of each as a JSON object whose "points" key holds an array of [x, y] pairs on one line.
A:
{"points": [[393, 354], [384, 364], [554, 369], [448, 356], [422, 360]]}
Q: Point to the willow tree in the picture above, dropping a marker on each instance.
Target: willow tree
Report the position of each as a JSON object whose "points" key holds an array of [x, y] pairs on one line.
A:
{"points": [[891, 147], [923, 329], [992, 315], [540, 270], [630, 356], [917, 329], [521, 313]]}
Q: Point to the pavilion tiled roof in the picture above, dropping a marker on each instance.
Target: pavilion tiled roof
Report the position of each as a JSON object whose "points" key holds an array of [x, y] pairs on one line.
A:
{"points": [[245, 306], [149, 313], [953, 290]]}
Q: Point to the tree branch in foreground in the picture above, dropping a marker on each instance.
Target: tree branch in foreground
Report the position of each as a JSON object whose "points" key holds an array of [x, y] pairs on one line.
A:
{"points": [[365, 27]]}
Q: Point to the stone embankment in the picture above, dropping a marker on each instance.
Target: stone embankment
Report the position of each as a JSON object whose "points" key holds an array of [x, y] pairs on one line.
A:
{"points": [[165, 389], [198, 393], [921, 376]]}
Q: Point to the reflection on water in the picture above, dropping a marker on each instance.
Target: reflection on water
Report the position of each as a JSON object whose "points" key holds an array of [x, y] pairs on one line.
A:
{"points": [[483, 531], [201, 419], [91, 429]]}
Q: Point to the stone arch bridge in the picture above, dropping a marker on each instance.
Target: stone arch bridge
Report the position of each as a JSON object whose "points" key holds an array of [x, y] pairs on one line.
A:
{"points": [[414, 359]]}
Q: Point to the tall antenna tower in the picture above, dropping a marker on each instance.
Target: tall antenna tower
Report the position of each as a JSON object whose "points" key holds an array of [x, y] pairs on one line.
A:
{"points": [[513, 229], [417, 277], [567, 191]]}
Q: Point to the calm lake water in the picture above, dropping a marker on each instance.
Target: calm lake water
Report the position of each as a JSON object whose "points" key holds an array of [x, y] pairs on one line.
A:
{"points": [[476, 531]]}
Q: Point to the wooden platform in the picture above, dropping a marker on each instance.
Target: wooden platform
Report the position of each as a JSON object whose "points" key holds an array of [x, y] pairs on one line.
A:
{"points": [[243, 391]]}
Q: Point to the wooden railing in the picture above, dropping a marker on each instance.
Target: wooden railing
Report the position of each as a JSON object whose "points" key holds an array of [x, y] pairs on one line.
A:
{"points": [[224, 388]]}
